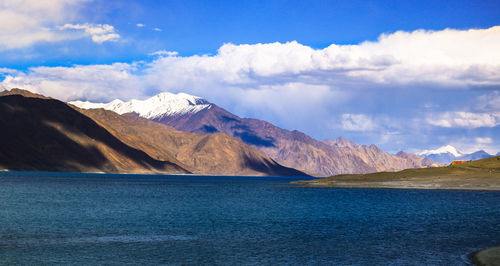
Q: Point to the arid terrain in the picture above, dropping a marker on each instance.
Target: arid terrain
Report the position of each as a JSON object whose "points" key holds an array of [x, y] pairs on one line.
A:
{"points": [[476, 175]]}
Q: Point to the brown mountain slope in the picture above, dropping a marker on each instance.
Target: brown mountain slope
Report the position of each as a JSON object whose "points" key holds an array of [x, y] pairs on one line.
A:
{"points": [[48, 135], [382, 161], [292, 148], [418, 161], [203, 154], [25, 93]]}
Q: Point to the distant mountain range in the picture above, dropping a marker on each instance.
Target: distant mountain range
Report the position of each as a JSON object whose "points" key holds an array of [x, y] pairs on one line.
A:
{"points": [[45, 134], [448, 153], [293, 149]]}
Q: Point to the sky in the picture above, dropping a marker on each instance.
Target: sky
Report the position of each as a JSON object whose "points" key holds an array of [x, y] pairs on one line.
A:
{"points": [[403, 75]]}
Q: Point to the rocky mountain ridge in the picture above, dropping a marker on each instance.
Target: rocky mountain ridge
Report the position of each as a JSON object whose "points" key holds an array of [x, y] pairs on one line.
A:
{"points": [[290, 148]]}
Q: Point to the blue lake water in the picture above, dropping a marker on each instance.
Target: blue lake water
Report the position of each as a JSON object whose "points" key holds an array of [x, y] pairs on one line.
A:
{"points": [[56, 218]]}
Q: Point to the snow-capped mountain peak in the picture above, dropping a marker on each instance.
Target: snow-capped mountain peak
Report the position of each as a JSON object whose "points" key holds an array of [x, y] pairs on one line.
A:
{"points": [[441, 150], [448, 153], [160, 105]]}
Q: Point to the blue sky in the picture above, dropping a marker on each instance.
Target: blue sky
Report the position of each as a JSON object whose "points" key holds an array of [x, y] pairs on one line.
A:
{"points": [[409, 75]]}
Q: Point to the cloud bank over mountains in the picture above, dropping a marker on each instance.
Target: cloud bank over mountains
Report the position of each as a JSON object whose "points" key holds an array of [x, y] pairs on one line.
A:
{"points": [[455, 59], [296, 86]]}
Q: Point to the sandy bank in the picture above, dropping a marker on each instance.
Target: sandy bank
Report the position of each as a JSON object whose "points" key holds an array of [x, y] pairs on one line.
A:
{"points": [[487, 257]]}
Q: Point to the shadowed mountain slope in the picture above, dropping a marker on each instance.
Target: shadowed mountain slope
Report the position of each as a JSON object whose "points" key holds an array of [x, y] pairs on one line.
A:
{"points": [[293, 148], [47, 135], [290, 148], [204, 154]]}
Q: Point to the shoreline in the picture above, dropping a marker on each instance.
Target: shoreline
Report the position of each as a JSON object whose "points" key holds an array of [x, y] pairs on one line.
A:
{"points": [[476, 175], [486, 257], [149, 174], [313, 184]]}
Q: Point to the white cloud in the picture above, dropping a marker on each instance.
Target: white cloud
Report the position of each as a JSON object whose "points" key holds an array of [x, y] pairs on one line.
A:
{"points": [[440, 58], [26, 22], [164, 53], [99, 32], [464, 119], [485, 140], [286, 103], [357, 122], [4, 70], [140, 25], [157, 29], [80, 82], [449, 58]]}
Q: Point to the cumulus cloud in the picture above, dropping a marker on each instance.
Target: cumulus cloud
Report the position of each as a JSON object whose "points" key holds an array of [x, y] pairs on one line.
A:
{"points": [[98, 32], [357, 122], [80, 82], [448, 58], [26, 22], [157, 29], [140, 25], [465, 120]]}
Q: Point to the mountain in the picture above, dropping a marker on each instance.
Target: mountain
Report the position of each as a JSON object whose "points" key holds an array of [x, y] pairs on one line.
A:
{"points": [[448, 153], [48, 135], [25, 93], [381, 160], [290, 148], [482, 174], [445, 154], [156, 107], [215, 154], [418, 161], [481, 154], [443, 150], [341, 142], [43, 134]]}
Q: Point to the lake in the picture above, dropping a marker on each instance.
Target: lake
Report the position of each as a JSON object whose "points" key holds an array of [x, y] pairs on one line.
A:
{"points": [[61, 218]]}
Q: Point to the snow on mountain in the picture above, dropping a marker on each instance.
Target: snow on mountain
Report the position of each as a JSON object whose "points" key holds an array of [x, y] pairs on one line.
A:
{"points": [[163, 104], [441, 150], [448, 153]]}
